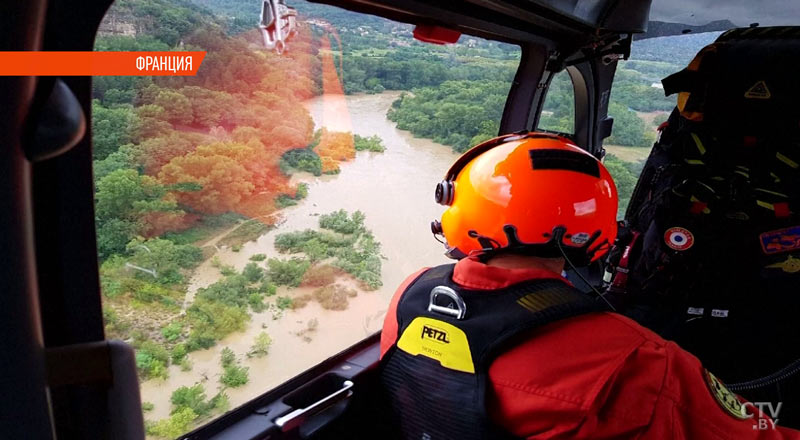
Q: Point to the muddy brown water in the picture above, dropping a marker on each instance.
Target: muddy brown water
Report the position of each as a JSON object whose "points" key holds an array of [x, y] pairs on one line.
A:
{"points": [[394, 189]]}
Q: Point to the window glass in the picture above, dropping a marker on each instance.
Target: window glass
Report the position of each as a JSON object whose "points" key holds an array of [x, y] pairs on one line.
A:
{"points": [[638, 104], [255, 219], [558, 111]]}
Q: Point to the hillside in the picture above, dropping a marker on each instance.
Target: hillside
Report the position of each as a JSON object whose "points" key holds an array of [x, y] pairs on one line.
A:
{"points": [[663, 29]]}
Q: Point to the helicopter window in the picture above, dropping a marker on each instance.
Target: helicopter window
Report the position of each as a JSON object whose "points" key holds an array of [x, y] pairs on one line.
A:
{"points": [[255, 219], [638, 104], [558, 111]]}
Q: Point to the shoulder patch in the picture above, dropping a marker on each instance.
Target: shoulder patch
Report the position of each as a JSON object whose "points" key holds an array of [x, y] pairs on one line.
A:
{"points": [[679, 239], [782, 240], [725, 398], [791, 265]]}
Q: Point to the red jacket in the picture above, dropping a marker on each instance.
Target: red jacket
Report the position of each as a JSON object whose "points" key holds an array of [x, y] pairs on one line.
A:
{"points": [[598, 376]]}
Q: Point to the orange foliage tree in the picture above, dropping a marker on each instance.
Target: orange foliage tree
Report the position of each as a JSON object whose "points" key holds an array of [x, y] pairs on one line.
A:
{"points": [[335, 147], [229, 173]]}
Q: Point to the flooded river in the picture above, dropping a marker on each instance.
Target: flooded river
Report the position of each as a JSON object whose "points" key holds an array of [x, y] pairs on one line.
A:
{"points": [[393, 189]]}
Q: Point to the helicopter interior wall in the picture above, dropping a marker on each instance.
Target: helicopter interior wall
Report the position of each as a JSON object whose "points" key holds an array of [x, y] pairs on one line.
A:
{"points": [[23, 374]]}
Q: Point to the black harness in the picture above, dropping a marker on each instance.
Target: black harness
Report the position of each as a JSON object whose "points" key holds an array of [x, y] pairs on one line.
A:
{"points": [[436, 373]]}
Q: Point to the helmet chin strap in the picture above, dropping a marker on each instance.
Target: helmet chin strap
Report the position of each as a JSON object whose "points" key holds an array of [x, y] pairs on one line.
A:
{"points": [[553, 248]]}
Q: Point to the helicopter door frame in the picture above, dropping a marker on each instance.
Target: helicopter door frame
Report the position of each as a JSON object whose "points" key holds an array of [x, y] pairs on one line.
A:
{"points": [[592, 81], [26, 407]]}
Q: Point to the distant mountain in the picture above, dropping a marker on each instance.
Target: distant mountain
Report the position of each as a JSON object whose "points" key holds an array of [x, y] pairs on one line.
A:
{"points": [[663, 29], [677, 50]]}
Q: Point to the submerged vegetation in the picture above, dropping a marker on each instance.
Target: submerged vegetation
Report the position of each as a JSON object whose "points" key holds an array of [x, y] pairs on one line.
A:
{"points": [[343, 242]]}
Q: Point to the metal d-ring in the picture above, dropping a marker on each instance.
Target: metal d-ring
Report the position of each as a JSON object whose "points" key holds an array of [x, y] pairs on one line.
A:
{"points": [[459, 312]]}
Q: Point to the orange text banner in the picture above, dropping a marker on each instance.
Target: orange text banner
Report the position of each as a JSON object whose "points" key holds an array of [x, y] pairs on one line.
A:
{"points": [[100, 63]]}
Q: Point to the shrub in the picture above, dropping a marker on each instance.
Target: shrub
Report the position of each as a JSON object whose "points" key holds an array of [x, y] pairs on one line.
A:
{"points": [[253, 272], [174, 426], [165, 255], [284, 302], [301, 192], [287, 272], [147, 292], [268, 288], [256, 301], [235, 376], [232, 290], [284, 200], [372, 143], [247, 231], [179, 353], [258, 257], [200, 341], [216, 262], [185, 364], [152, 360], [315, 250], [303, 159], [300, 301], [338, 221], [318, 276], [227, 357], [172, 331], [334, 297], [194, 398], [220, 402], [293, 242], [190, 397], [147, 406], [260, 346], [236, 247], [227, 270], [211, 321]]}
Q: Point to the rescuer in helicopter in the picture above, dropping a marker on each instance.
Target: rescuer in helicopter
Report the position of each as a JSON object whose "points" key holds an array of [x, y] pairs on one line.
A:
{"points": [[501, 345]]}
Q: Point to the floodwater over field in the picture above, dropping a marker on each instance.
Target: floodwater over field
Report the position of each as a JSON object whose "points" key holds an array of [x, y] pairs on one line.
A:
{"points": [[394, 189]]}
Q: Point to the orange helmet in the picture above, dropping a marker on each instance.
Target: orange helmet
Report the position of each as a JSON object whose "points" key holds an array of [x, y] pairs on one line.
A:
{"points": [[534, 193]]}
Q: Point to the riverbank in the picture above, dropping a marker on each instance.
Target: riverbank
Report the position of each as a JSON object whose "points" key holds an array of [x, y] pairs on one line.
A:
{"points": [[393, 189]]}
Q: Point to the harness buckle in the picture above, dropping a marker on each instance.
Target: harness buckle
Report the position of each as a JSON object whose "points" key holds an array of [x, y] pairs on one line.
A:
{"points": [[455, 308]]}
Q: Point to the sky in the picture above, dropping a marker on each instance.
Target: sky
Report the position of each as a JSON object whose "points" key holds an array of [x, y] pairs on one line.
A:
{"points": [[740, 12]]}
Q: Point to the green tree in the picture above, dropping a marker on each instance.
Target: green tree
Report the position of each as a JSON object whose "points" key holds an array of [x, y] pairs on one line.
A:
{"points": [[163, 256], [177, 108], [123, 158], [624, 178], [629, 129], [112, 128]]}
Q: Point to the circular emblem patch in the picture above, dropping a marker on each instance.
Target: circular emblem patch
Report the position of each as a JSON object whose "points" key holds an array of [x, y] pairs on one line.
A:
{"points": [[726, 399], [679, 239]]}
